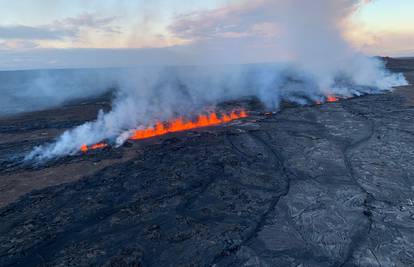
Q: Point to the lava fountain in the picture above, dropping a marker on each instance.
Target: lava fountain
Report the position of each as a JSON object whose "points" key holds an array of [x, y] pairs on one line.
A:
{"points": [[180, 124], [177, 125]]}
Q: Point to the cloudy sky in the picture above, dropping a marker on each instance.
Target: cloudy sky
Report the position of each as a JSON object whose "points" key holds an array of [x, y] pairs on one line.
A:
{"points": [[101, 33]]}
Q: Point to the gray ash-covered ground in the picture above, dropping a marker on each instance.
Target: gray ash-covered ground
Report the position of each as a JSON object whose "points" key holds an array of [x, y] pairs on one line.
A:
{"points": [[321, 185]]}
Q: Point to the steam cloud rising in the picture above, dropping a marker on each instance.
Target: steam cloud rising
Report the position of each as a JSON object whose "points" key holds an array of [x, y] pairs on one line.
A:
{"points": [[317, 61]]}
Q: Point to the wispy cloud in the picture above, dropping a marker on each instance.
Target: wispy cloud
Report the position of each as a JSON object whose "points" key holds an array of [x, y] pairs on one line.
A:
{"points": [[18, 44], [28, 32], [103, 24], [235, 21], [68, 28]]}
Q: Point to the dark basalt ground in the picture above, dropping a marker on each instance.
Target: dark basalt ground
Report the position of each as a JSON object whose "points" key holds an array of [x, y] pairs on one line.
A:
{"points": [[327, 185]]}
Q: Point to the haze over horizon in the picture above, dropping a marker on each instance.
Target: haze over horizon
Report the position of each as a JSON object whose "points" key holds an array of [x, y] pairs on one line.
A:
{"points": [[48, 34]]}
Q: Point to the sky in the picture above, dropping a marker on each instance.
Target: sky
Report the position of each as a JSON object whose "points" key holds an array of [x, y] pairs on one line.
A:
{"points": [[106, 33]]}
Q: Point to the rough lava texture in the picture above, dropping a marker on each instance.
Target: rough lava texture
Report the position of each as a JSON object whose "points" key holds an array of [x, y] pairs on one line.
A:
{"points": [[322, 185]]}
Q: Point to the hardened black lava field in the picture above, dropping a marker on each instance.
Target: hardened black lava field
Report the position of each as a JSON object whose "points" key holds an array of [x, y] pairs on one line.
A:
{"points": [[318, 185]]}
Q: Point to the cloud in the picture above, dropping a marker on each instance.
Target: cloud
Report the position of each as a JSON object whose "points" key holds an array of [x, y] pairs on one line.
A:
{"points": [[390, 43], [259, 18], [18, 44], [28, 32], [238, 20], [88, 20], [265, 27], [68, 28], [243, 32], [268, 28]]}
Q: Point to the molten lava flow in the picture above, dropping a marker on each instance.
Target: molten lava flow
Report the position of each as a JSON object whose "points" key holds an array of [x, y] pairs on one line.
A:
{"points": [[85, 148], [331, 98], [180, 124], [176, 125]]}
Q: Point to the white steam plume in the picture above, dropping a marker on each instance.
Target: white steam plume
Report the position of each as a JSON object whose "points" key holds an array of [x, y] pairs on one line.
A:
{"points": [[321, 62]]}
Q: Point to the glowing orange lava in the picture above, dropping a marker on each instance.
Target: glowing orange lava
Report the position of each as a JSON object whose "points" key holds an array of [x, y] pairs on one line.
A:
{"points": [[331, 98], [85, 148], [180, 124], [177, 125]]}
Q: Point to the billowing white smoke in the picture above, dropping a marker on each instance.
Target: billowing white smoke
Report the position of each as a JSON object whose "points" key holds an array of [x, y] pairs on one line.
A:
{"points": [[321, 62]]}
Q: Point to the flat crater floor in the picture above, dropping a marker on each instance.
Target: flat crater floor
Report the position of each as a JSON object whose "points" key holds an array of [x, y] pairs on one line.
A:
{"points": [[321, 185]]}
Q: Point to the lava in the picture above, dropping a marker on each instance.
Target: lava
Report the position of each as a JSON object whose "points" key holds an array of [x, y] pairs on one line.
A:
{"points": [[177, 125], [331, 98], [84, 148], [180, 124]]}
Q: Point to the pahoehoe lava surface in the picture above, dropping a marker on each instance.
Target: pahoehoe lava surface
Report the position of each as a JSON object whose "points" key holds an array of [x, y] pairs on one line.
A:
{"points": [[322, 185]]}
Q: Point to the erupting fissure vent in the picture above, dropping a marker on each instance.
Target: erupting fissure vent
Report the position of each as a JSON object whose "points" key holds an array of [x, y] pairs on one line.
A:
{"points": [[329, 98], [181, 124], [178, 125], [85, 148], [332, 99]]}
